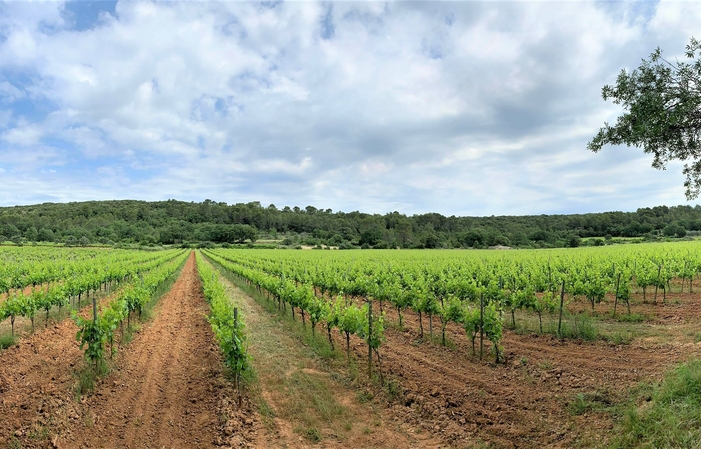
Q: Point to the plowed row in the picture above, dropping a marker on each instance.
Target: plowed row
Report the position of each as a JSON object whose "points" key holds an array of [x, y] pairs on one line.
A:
{"points": [[524, 402]]}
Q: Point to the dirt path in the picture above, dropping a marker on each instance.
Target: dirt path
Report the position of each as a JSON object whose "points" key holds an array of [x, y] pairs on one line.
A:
{"points": [[308, 405], [524, 403], [166, 390]]}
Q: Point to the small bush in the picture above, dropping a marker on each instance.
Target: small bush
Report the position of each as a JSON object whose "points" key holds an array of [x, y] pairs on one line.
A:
{"points": [[585, 402], [312, 434]]}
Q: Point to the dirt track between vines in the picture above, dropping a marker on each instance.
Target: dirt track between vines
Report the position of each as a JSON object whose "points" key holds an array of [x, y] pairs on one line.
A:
{"points": [[166, 389]]}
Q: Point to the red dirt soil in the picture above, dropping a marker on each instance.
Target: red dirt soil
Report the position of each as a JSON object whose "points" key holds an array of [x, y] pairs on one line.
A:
{"points": [[169, 389], [37, 382], [523, 402]]}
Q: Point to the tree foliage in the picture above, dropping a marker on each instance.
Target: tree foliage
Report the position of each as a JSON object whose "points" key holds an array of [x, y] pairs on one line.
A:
{"points": [[662, 100]]}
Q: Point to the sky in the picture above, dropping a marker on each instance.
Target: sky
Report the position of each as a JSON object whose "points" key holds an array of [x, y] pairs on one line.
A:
{"points": [[461, 108]]}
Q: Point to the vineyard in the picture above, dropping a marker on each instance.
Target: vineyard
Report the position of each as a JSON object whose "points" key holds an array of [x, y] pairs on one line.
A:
{"points": [[586, 322], [474, 348], [481, 292]]}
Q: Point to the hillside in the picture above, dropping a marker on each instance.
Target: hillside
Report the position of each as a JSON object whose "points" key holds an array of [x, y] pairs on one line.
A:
{"points": [[175, 222]]}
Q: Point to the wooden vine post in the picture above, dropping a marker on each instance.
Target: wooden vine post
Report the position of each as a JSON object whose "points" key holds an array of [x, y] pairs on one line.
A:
{"points": [[481, 325], [237, 378], [94, 319], [615, 300], [657, 283], [369, 340], [562, 303]]}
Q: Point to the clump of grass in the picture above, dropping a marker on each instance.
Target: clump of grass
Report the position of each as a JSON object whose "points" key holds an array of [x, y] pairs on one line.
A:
{"points": [[14, 444], [310, 433], [620, 338], [635, 317], [579, 326], [545, 365], [365, 396], [6, 341], [669, 416], [585, 402], [87, 377], [311, 401], [393, 389]]}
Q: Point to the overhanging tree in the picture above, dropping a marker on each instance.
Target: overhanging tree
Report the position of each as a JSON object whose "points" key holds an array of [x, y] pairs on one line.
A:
{"points": [[662, 100]]}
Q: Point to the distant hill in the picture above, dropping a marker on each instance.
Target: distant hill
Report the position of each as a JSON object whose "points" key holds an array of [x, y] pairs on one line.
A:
{"points": [[175, 222]]}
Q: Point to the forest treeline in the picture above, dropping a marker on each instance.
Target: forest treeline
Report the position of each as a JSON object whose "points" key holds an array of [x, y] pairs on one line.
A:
{"points": [[178, 222]]}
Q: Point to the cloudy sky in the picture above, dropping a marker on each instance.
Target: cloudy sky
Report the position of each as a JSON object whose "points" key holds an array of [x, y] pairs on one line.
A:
{"points": [[465, 108]]}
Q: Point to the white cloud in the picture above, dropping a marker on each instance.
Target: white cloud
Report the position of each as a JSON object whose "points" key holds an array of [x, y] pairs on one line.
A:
{"points": [[457, 107], [23, 135]]}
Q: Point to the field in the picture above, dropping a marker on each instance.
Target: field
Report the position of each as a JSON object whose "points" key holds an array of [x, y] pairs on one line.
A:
{"points": [[283, 348]]}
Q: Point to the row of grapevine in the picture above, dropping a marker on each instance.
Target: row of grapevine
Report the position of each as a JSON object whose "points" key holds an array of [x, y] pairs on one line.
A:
{"points": [[59, 294], [477, 310], [227, 325], [433, 283], [349, 319], [96, 333], [23, 267]]}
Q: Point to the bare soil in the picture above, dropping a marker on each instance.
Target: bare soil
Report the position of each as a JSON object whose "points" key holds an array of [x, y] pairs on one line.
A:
{"points": [[168, 389], [38, 378], [524, 401]]}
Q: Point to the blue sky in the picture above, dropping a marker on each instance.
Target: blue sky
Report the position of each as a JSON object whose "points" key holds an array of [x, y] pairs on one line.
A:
{"points": [[461, 108]]}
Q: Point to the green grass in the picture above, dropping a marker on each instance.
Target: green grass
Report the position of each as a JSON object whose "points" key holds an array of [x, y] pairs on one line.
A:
{"points": [[6, 341], [574, 326], [87, 377], [634, 317], [621, 337], [295, 371], [545, 365], [311, 434], [586, 402], [667, 417]]}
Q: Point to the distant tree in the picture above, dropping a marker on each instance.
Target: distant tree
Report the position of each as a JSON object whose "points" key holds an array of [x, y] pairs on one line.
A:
{"points": [[473, 237], [662, 100], [403, 229], [45, 235], [31, 234], [573, 240], [9, 230], [501, 240], [371, 237], [241, 233], [674, 230], [84, 241], [431, 241]]}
